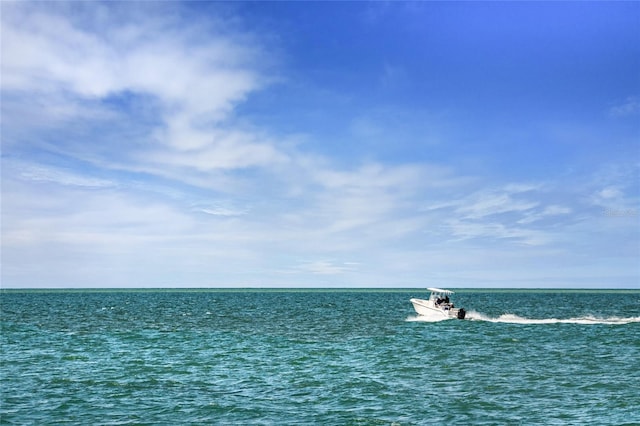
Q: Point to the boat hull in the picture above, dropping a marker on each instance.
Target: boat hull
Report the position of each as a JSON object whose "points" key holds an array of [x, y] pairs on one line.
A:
{"points": [[428, 308]]}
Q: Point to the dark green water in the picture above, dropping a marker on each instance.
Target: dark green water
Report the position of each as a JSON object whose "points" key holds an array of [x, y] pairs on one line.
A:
{"points": [[318, 357]]}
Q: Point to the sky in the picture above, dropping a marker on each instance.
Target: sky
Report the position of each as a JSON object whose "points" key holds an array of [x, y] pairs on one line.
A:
{"points": [[320, 144]]}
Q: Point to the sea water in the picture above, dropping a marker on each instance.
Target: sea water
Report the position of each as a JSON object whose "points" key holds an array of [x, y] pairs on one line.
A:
{"points": [[360, 357]]}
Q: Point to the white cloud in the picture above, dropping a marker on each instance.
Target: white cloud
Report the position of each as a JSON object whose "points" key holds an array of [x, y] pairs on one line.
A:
{"points": [[370, 203], [629, 107], [194, 76], [493, 231], [325, 267], [218, 150], [511, 215], [46, 48], [489, 203], [609, 193], [548, 211], [40, 173], [57, 211], [222, 209]]}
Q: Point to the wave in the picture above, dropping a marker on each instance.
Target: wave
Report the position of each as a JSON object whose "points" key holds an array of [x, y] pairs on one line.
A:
{"points": [[515, 319]]}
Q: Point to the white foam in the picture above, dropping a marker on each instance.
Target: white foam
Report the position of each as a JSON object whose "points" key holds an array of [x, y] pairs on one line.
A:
{"points": [[515, 319]]}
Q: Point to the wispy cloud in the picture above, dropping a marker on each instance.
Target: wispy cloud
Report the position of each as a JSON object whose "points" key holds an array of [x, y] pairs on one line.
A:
{"points": [[514, 214], [41, 173], [326, 267], [488, 231], [222, 209], [493, 204], [629, 107], [548, 211]]}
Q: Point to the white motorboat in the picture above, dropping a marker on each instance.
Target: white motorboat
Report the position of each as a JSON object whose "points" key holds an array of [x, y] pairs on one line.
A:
{"points": [[438, 304]]}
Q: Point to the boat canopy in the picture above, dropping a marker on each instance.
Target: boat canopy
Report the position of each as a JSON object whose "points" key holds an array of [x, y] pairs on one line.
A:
{"points": [[439, 290]]}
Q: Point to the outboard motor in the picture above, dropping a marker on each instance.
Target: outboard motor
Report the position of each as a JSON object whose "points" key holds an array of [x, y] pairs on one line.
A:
{"points": [[461, 313]]}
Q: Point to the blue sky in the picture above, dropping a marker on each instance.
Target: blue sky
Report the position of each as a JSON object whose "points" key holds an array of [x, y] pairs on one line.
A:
{"points": [[304, 144]]}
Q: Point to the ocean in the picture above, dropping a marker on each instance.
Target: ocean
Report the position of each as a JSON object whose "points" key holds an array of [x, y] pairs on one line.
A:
{"points": [[307, 357]]}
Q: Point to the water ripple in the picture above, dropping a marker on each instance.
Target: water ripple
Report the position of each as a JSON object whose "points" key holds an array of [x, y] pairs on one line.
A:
{"points": [[306, 358]]}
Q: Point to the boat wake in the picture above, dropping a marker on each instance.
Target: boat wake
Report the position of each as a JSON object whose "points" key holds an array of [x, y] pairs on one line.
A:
{"points": [[515, 319], [427, 318]]}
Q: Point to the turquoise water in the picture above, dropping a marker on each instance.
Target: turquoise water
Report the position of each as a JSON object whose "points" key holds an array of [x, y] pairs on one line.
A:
{"points": [[318, 357]]}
